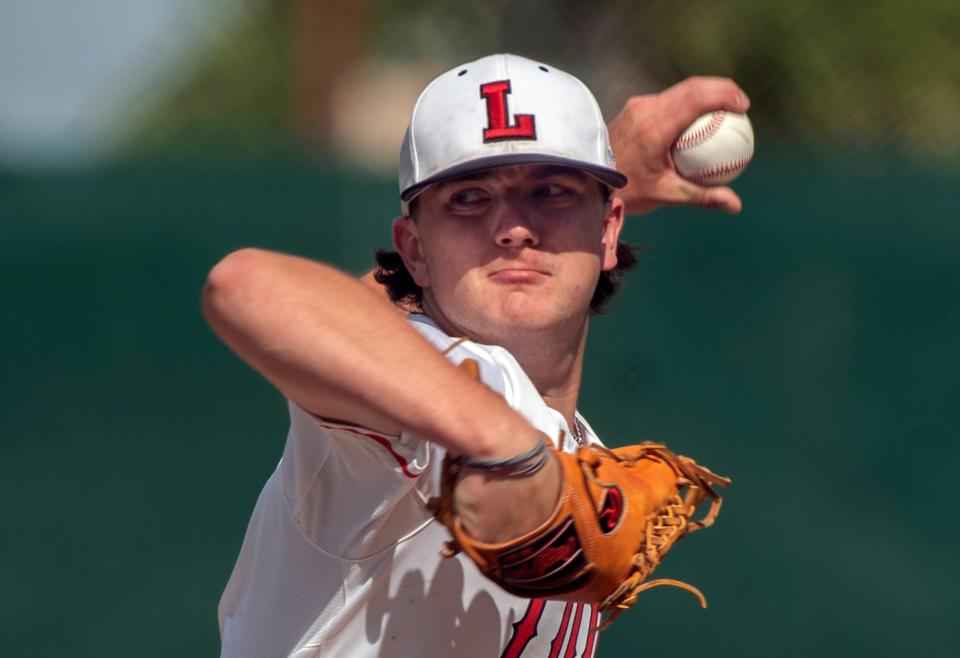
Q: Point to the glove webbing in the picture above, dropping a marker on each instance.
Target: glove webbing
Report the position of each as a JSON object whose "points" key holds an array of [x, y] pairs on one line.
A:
{"points": [[662, 532], [670, 524]]}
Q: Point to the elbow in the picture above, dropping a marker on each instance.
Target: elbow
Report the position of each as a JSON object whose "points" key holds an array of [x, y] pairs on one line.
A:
{"points": [[227, 282]]}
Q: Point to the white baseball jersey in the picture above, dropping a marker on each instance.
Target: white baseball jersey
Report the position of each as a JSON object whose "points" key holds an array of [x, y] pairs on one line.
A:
{"points": [[341, 556]]}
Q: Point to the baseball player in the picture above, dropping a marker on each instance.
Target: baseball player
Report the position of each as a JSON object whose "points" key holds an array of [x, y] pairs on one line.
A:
{"points": [[512, 210]]}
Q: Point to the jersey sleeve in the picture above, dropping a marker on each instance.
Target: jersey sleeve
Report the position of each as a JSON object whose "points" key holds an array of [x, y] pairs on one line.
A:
{"points": [[354, 491]]}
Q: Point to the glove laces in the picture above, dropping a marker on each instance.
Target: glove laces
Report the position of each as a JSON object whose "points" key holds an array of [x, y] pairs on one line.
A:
{"points": [[670, 524]]}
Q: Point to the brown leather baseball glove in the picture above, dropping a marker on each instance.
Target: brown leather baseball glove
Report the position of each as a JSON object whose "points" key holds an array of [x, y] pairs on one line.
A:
{"points": [[620, 511]]}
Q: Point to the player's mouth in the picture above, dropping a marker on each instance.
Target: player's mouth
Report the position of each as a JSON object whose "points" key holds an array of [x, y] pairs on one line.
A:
{"points": [[516, 275]]}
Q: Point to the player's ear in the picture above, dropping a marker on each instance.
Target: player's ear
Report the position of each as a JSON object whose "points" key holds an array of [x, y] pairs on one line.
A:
{"points": [[612, 225], [406, 240]]}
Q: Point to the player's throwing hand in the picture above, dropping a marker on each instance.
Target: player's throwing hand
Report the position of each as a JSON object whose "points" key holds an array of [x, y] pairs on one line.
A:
{"points": [[647, 126]]}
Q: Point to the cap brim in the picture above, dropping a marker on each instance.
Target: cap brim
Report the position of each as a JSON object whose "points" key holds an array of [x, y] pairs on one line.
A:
{"points": [[605, 175]]}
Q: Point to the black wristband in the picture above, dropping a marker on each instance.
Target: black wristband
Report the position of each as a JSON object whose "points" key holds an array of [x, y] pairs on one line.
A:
{"points": [[524, 464]]}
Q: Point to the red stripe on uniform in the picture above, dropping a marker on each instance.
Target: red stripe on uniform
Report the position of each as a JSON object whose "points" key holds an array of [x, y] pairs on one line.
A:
{"points": [[557, 643], [524, 630], [592, 632], [572, 644], [382, 440]]}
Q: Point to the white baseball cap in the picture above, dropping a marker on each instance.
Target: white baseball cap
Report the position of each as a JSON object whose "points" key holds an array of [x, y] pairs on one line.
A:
{"points": [[503, 110]]}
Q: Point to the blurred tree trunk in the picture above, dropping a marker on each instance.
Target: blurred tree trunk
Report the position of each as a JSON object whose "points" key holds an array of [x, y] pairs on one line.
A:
{"points": [[330, 37]]}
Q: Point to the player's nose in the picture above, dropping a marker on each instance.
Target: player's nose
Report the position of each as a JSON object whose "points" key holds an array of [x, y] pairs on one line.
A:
{"points": [[514, 227]]}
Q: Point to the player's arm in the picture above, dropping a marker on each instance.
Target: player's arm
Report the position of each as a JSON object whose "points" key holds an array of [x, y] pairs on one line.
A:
{"points": [[644, 131], [340, 350], [369, 279]]}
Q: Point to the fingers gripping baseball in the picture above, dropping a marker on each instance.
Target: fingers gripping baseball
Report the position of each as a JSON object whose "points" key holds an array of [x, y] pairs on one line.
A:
{"points": [[687, 100], [644, 131], [709, 198]]}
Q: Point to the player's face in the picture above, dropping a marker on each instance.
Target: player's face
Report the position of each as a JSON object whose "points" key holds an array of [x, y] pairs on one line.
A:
{"points": [[510, 249]]}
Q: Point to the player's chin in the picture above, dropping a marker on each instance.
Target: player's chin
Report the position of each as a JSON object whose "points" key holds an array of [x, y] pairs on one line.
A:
{"points": [[523, 310]]}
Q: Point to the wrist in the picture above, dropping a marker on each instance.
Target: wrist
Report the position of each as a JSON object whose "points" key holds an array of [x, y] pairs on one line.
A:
{"points": [[521, 465], [487, 505], [502, 436]]}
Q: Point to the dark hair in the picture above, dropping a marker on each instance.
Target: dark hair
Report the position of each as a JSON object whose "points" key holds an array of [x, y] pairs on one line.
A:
{"points": [[403, 290]]}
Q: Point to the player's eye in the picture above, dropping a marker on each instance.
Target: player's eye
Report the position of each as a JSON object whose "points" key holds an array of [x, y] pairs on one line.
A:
{"points": [[552, 191], [468, 196]]}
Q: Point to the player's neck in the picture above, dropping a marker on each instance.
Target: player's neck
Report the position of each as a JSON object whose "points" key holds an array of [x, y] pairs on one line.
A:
{"points": [[554, 366]]}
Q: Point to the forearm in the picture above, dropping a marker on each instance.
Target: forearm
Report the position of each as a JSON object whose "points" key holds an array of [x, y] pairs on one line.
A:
{"points": [[340, 350], [370, 281]]}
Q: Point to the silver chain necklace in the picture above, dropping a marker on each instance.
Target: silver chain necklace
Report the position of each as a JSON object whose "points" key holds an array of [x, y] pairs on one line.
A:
{"points": [[577, 432]]}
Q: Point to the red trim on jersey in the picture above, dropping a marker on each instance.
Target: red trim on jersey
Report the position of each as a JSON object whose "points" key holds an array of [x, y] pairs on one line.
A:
{"points": [[382, 440], [574, 634], [557, 642], [592, 633], [525, 629]]}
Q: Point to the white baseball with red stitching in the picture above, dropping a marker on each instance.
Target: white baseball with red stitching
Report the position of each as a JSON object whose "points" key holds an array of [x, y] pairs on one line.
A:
{"points": [[715, 148]]}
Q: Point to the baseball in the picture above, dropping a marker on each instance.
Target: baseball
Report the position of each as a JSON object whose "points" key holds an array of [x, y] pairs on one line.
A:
{"points": [[715, 148]]}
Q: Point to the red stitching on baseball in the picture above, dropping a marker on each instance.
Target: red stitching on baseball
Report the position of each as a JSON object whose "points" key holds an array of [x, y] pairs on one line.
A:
{"points": [[703, 134], [721, 169]]}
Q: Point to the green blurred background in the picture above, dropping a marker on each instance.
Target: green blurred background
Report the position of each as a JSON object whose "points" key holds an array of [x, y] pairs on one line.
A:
{"points": [[808, 348]]}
